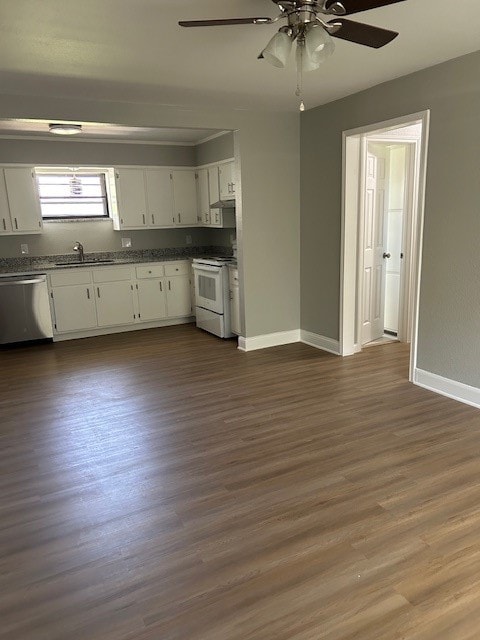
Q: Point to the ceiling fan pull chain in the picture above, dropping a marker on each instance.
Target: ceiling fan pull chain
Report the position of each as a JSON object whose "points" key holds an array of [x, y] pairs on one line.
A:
{"points": [[299, 90]]}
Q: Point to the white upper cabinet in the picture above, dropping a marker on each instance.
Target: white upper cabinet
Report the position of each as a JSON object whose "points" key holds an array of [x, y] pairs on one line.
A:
{"points": [[132, 200], [22, 214], [227, 181], [185, 197], [159, 188], [203, 194]]}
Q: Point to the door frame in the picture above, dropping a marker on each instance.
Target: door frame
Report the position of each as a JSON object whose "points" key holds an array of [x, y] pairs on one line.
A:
{"points": [[352, 147]]}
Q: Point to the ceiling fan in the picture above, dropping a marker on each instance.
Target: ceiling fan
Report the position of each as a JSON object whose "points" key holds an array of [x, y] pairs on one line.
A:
{"points": [[307, 25], [302, 14]]}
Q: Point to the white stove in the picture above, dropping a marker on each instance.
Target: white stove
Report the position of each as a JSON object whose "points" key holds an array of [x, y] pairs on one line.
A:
{"points": [[212, 299]]}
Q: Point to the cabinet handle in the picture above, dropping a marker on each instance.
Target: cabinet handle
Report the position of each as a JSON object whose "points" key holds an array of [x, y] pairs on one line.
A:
{"points": [[231, 294], [143, 218], [88, 293], [169, 286], [121, 220], [160, 283], [153, 219], [4, 225], [16, 223], [179, 217], [98, 292]]}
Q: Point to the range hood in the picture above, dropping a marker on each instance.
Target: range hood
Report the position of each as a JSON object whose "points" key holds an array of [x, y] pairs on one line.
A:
{"points": [[223, 204]]}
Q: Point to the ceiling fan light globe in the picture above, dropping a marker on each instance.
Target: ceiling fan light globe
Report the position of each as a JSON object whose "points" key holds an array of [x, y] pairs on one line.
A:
{"points": [[305, 62], [278, 49], [319, 45]]}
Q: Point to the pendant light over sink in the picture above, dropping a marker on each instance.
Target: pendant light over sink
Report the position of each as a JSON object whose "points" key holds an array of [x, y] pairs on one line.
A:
{"points": [[312, 34]]}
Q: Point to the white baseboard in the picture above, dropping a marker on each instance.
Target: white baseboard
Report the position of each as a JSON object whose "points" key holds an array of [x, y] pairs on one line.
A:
{"points": [[268, 340], [446, 387], [320, 342]]}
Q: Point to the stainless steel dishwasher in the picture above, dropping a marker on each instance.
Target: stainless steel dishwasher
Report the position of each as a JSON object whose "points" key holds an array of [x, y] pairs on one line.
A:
{"points": [[24, 309]]}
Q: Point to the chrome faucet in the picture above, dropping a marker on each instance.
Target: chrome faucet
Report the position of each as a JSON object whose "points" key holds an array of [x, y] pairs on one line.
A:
{"points": [[78, 246]]}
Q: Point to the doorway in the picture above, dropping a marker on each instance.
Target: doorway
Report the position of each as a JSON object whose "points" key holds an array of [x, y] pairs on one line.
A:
{"points": [[382, 222]]}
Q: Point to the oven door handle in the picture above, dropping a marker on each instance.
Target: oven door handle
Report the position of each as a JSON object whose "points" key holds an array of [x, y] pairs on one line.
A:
{"points": [[206, 267]]}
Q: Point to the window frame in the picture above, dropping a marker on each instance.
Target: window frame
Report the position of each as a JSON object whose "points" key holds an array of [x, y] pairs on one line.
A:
{"points": [[104, 172]]}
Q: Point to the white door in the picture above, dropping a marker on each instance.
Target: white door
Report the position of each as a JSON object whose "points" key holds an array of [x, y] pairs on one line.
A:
{"points": [[114, 303], [179, 299], [74, 307], [159, 187], [152, 301], [185, 197], [23, 200], [203, 197], [132, 202], [5, 221], [373, 284]]}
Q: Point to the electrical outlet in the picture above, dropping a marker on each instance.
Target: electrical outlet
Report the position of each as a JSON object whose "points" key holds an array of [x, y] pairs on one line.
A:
{"points": [[126, 243], [188, 239], [24, 249]]}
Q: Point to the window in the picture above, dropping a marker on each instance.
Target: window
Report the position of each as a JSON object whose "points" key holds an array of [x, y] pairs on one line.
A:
{"points": [[72, 194]]}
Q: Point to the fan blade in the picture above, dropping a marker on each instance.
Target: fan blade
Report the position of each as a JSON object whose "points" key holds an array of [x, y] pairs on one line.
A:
{"points": [[355, 6], [362, 33], [220, 23]]}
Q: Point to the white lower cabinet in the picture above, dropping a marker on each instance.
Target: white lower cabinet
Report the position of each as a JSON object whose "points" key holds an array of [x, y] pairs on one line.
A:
{"points": [[74, 308], [235, 322], [179, 299], [152, 300], [85, 299], [115, 305]]}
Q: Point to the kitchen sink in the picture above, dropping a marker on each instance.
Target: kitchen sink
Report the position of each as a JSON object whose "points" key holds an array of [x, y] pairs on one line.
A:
{"points": [[85, 262]]}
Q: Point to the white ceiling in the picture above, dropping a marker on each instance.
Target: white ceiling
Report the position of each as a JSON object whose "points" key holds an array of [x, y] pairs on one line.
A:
{"points": [[134, 50]]}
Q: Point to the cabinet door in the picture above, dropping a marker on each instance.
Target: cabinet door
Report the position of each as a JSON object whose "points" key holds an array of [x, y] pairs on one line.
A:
{"points": [[74, 307], [132, 202], [5, 222], [179, 299], [203, 197], [159, 198], [114, 303], [225, 177], [23, 200], [235, 309], [214, 191], [185, 197], [152, 301]]}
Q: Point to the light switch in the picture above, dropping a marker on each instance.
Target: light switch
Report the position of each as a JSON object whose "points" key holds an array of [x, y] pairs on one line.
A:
{"points": [[126, 243], [24, 249]]}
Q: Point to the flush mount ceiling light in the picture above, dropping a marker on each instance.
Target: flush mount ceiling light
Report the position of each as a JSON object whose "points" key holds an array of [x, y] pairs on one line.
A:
{"points": [[65, 129], [311, 32]]}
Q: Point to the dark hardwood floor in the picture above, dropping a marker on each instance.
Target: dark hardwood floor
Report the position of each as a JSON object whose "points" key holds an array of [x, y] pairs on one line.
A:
{"points": [[161, 485]]}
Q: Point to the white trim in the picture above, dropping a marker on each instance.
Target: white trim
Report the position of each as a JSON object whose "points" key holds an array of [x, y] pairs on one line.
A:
{"points": [[137, 141], [219, 134], [103, 331], [217, 163], [446, 387], [350, 203], [320, 342], [268, 340]]}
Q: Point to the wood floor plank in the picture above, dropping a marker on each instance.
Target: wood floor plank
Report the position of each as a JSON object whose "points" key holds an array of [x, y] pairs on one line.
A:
{"points": [[163, 485]]}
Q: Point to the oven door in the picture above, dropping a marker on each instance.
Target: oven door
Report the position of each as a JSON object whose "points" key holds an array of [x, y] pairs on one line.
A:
{"points": [[209, 287]]}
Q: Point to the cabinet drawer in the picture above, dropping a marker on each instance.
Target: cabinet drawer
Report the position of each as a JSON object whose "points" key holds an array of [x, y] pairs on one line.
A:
{"points": [[79, 275], [112, 274], [233, 277], [177, 268], [150, 271]]}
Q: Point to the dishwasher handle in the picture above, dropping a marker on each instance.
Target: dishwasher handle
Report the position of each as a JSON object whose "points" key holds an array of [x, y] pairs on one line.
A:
{"points": [[21, 280]]}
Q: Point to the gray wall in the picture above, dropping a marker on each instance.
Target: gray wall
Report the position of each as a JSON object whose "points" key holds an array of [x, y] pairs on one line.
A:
{"points": [[59, 151], [267, 148], [220, 148], [449, 343]]}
